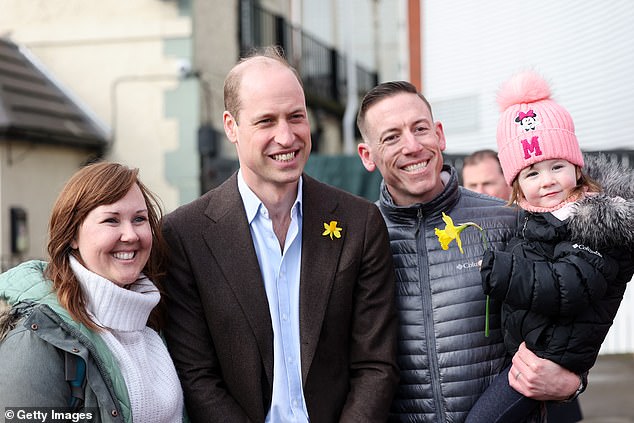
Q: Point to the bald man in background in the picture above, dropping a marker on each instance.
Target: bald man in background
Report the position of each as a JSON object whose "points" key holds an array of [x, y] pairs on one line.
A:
{"points": [[481, 172]]}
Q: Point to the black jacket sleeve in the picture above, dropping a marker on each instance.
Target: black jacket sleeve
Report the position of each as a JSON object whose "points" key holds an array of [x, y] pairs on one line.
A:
{"points": [[563, 286]]}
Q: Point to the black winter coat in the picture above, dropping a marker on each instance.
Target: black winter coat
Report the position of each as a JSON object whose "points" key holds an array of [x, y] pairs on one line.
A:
{"points": [[561, 282]]}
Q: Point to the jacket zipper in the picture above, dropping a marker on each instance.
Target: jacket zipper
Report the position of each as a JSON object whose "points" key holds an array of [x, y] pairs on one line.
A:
{"points": [[524, 227], [427, 312]]}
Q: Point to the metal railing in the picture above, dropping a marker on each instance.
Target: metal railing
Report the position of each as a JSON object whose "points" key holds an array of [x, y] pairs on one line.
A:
{"points": [[322, 68]]}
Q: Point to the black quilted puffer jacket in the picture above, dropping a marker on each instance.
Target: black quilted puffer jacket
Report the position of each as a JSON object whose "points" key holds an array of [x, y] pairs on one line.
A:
{"points": [[562, 281], [446, 361]]}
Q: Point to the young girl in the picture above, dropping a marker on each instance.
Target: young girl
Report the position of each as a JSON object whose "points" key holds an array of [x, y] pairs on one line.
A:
{"points": [[562, 278]]}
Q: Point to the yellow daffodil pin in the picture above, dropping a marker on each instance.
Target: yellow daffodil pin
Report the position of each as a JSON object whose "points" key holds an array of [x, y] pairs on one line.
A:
{"points": [[332, 229], [451, 232]]}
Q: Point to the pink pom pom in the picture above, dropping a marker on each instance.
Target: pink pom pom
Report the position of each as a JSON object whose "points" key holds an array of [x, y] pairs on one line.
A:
{"points": [[524, 87]]}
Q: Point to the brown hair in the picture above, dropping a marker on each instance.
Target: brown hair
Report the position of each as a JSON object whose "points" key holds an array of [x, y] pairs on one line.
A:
{"points": [[584, 184], [232, 101], [92, 186], [385, 90]]}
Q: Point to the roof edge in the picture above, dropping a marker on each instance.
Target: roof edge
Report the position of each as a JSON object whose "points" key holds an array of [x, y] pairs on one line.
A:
{"points": [[100, 126]]}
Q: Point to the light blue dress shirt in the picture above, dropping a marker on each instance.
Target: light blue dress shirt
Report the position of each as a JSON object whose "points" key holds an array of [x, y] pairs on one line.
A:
{"points": [[280, 271]]}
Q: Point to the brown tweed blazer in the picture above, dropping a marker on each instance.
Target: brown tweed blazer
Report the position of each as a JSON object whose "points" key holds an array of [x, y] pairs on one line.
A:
{"points": [[219, 331]]}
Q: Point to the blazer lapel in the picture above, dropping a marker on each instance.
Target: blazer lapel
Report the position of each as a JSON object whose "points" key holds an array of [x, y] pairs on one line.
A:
{"points": [[229, 239], [320, 256]]}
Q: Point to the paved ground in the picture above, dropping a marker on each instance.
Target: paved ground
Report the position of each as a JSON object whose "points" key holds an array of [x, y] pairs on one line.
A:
{"points": [[610, 394]]}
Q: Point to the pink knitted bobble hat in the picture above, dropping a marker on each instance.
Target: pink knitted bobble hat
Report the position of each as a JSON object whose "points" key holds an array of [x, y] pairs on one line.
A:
{"points": [[532, 127]]}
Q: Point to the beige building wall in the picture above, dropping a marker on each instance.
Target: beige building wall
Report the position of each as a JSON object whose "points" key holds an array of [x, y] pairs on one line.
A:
{"points": [[215, 35], [111, 55], [31, 177]]}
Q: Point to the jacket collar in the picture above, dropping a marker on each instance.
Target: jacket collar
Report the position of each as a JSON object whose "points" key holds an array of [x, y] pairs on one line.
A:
{"points": [[446, 200], [228, 225], [605, 219], [320, 257]]}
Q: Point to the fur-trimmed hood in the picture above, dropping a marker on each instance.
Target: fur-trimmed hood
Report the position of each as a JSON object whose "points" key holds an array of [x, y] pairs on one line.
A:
{"points": [[606, 219], [7, 321], [22, 287]]}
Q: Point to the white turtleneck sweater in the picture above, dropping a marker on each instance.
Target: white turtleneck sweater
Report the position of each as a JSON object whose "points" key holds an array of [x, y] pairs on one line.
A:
{"points": [[153, 386]]}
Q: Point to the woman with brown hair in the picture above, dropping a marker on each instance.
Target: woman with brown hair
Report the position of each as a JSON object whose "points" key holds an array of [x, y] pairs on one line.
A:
{"points": [[83, 328]]}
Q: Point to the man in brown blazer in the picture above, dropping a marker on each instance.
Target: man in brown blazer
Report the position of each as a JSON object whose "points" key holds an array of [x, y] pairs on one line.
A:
{"points": [[281, 288]]}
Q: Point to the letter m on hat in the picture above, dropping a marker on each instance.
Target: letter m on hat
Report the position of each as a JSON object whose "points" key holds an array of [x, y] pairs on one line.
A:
{"points": [[531, 148]]}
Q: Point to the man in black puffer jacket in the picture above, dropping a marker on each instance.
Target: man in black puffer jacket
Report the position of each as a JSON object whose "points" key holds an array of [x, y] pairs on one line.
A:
{"points": [[446, 361]]}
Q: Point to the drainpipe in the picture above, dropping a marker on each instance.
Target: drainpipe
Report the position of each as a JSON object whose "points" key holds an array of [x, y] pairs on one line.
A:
{"points": [[352, 101], [414, 35]]}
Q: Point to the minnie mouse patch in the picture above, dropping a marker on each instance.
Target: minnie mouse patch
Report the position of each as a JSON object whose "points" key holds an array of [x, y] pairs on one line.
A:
{"points": [[527, 120]]}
